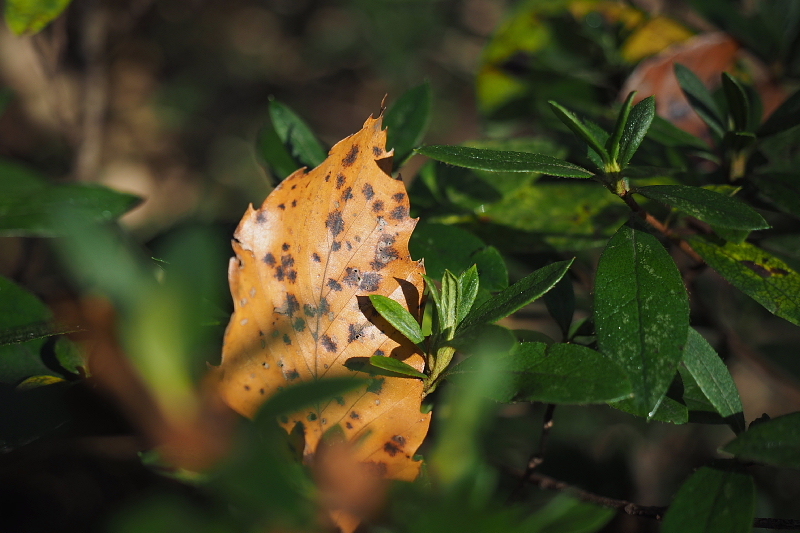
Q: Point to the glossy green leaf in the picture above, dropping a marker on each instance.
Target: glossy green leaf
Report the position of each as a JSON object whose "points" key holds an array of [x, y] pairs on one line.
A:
{"points": [[669, 410], [468, 285], [700, 99], [560, 303], [398, 316], [636, 128], [782, 188], [714, 379], [19, 308], [407, 121], [774, 442], [641, 313], [70, 356], [31, 16], [274, 154], [451, 248], [29, 212], [757, 273], [713, 501], [396, 366], [708, 206], [613, 142], [738, 103], [785, 117], [580, 130], [516, 296], [503, 161], [449, 297], [563, 374], [296, 136]]}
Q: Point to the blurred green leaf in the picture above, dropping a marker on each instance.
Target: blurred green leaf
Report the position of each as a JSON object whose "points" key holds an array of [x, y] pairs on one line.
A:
{"points": [[28, 212], [562, 374], [580, 130], [407, 121], [757, 273], [738, 103], [31, 16], [274, 154], [395, 365], [302, 395], [774, 442], [503, 161], [665, 132], [782, 188], [713, 378], [516, 296], [296, 136], [451, 248], [700, 99], [787, 116], [708, 206], [713, 501], [398, 316], [641, 313], [564, 514], [636, 128], [560, 301]]}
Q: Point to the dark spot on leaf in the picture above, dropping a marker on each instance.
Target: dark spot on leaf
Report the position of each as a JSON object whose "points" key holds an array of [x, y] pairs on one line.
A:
{"points": [[377, 207], [294, 187], [285, 247], [384, 253], [347, 194], [399, 439], [761, 270], [351, 157], [371, 282], [279, 274], [380, 353], [377, 151], [399, 196], [391, 449], [334, 285], [328, 344], [336, 246], [292, 304], [309, 310], [261, 217], [261, 391], [376, 469], [287, 260], [353, 277], [324, 307], [269, 259], [286, 339], [281, 206], [294, 203], [368, 191], [340, 181], [354, 332], [299, 324], [357, 238], [247, 387], [349, 246], [292, 275], [292, 375], [315, 256], [348, 425], [399, 212], [328, 177], [339, 400], [335, 223], [354, 415], [376, 385], [311, 417]]}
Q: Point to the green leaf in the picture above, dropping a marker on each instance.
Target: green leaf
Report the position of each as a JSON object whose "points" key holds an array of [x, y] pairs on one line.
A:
{"points": [[449, 296], [636, 128], [757, 273], [774, 442], [274, 154], [613, 142], [713, 501], [308, 393], [641, 313], [468, 285], [31, 16], [407, 121], [782, 188], [398, 316], [713, 378], [708, 206], [700, 99], [564, 513], [19, 308], [738, 103], [70, 357], [665, 132], [29, 332], [563, 374], [296, 136], [28, 211], [560, 303], [785, 117], [516, 296], [451, 248], [580, 130], [503, 161], [396, 366], [669, 410]]}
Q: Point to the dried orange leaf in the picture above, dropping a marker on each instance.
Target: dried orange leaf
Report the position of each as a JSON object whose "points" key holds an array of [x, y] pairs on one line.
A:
{"points": [[306, 263]]}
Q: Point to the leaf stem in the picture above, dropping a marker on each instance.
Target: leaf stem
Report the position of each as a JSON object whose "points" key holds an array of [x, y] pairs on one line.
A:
{"points": [[537, 457]]}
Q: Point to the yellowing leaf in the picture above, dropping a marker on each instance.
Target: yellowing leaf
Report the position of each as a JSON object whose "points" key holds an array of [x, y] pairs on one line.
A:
{"points": [[306, 263]]}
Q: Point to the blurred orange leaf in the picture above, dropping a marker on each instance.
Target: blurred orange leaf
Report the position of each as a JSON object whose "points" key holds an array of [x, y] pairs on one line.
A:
{"points": [[306, 263]]}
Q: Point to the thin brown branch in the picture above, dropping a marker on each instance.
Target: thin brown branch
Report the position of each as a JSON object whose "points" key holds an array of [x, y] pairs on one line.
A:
{"points": [[633, 509], [537, 457], [661, 228]]}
